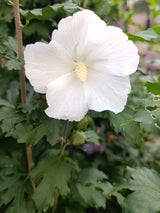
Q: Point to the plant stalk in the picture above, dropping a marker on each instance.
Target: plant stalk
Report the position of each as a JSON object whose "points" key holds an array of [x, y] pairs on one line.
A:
{"points": [[19, 27], [63, 139], [85, 3]]}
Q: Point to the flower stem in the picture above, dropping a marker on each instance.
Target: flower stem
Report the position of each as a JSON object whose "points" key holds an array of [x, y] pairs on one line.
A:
{"points": [[85, 3], [19, 27], [56, 201], [63, 139]]}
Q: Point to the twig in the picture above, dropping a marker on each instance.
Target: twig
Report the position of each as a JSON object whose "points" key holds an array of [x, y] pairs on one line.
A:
{"points": [[85, 3], [56, 201], [19, 27]]}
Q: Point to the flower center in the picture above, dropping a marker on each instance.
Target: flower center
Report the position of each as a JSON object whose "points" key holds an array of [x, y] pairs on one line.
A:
{"points": [[81, 71]]}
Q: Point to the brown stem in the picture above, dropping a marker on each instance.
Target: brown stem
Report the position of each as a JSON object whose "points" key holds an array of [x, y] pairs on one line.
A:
{"points": [[85, 3], [56, 201], [19, 27]]}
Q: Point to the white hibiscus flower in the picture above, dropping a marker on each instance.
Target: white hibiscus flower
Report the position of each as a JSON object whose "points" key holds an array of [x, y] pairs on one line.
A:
{"points": [[85, 66]]}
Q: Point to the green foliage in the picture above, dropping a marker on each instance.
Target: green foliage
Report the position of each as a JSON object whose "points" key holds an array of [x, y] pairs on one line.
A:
{"points": [[146, 35], [154, 88], [14, 187], [145, 184], [49, 178], [90, 188], [49, 11], [48, 127]]}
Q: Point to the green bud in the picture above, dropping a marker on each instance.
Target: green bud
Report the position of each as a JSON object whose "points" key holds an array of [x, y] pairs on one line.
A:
{"points": [[78, 138], [86, 122]]}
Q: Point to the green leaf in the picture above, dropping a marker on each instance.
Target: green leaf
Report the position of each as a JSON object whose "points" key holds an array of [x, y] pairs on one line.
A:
{"points": [[53, 172], [91, 175], [142, 115], [135, 37], [49, 11], [13, 44], [90, 196], [91, 136], [90, 188], [22, 132], [13, 92], [145, 184], [154, 88], [5, 103], [126, 122], [9, 118], [146, 35], [15, 188], [85, 123], [51, 128], [13, 64], [131, 129], [152, 2]]}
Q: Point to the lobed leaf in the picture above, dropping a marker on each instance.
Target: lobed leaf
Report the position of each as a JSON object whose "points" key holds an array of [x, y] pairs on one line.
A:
{"points": [[145, 184], [49, 11], [51, 173]]}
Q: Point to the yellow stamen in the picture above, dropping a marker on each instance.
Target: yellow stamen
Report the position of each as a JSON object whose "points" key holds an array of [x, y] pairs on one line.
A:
{"points": [[81, 71]]}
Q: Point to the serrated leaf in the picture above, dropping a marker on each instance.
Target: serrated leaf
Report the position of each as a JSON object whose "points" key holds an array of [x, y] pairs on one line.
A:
{"points": [[14, 190], [50, 128], [22, 132], [90, 196], [49, 11], [154, 88], [91, 136], [89, 189], [91, 175], [13, 44], [5, 103], [132, 129], [13, 92], [141, 115], [53, 172], [145, 184], [9, 118], [14, 185], [13, 64], [108, 192]]}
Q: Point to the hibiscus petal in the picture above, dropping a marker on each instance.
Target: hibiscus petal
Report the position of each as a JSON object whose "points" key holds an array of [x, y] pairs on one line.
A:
{"points": [[46, 62], [108, 93], [66, 100], [116, 56], [75, 31]]}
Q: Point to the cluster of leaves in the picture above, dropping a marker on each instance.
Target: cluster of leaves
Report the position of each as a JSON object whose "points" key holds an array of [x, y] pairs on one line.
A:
{"points": [[124, 178]]}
